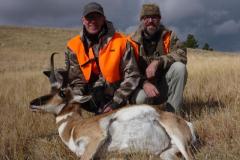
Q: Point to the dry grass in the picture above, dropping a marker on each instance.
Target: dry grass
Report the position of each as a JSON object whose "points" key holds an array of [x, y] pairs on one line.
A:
{"points": [[213, 95], [212, 98]]}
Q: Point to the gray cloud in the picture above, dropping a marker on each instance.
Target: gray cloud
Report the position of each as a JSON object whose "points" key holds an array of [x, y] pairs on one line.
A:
{"points": [[216, 22], [229, 27]]}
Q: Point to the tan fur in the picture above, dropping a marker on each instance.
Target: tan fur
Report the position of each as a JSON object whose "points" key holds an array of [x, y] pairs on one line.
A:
{"points": [[85, 128], [176, 126], [91, 130], [55, 100]]}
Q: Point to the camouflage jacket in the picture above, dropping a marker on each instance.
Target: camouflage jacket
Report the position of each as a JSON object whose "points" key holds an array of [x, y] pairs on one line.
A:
{"points": [[119, 91], [176, 52]]}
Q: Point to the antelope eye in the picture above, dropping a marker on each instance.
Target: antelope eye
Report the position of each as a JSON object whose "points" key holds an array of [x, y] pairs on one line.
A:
{"points": [[62, 94]]}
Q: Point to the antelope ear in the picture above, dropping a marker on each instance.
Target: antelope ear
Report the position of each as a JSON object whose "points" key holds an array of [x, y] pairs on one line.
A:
{"points": [[60, 71], [47, 73], [81, 99], [59, 74]]}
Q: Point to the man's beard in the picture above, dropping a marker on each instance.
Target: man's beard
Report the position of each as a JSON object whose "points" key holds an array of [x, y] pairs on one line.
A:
{"points": [[151, 30]]}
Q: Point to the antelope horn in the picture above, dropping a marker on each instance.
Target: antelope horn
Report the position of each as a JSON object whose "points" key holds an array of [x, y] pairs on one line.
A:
{"points": [[53, 80], [65, 76]]}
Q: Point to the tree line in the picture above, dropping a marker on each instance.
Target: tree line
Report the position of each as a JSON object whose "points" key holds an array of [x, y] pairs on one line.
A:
{"points": [[191, 42]]}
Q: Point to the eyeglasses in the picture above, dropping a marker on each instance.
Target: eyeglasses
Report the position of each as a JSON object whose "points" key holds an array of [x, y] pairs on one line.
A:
{"points": [[152, 17]]}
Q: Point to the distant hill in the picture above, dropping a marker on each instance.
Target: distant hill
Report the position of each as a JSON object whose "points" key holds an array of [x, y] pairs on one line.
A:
{"points": [[40, 39], [34, 39]]}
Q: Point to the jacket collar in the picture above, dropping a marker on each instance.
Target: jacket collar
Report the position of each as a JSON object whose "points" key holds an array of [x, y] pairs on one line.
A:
{"points": [[137, 35]]}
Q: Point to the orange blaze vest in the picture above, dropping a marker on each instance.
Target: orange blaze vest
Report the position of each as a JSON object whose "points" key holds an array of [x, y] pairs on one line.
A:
{"points": [[166, 42], [109, 57]]}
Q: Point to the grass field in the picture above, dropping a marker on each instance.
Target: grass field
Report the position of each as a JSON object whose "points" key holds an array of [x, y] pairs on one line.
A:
{"points": [[211, 97]]}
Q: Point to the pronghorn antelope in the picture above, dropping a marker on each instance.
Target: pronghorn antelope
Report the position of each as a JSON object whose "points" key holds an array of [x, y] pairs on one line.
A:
{"points": [[138, 127]]}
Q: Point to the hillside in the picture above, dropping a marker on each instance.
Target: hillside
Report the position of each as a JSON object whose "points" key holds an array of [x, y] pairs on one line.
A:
{"points": [[25, 43], [211, 97], [34, 39]]}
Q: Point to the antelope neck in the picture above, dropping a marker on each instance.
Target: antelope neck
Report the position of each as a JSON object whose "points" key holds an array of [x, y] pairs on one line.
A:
{"points": [[68, 114]]}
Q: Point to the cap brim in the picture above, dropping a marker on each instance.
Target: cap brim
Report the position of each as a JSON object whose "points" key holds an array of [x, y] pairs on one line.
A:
{"points": [[93, 11]]}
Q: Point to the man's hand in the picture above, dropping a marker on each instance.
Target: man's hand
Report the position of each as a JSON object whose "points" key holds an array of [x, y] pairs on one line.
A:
{"points": [[152, 68], [107, 109], [110, 106], [150, 89]]}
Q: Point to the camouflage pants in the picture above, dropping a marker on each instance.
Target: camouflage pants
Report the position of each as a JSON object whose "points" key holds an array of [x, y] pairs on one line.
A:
{"points": [[170, 85]]}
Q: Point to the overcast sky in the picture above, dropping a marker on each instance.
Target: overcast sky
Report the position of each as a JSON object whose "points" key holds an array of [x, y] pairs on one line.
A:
{"points": [[216, 22]]}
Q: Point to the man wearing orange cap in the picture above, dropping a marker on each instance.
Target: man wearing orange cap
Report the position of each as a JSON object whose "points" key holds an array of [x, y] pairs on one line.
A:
{"points": [[162, 61]]}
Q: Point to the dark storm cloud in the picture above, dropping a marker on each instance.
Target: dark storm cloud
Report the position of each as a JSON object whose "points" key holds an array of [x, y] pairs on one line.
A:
{"points": [[40, 13], [61, 12], [216, 22]]}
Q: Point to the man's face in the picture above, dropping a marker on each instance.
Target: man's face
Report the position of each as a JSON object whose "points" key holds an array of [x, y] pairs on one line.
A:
{"points": [[151, 24], [93, 22]]}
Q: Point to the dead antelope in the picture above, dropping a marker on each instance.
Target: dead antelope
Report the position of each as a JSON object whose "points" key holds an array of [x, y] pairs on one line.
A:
{"points": [[138, 127]]}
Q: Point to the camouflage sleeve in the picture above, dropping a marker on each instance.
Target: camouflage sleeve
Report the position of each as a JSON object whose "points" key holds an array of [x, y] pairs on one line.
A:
{"points": [[177, 53], [100, 82], [131, 76], [76, 79]]}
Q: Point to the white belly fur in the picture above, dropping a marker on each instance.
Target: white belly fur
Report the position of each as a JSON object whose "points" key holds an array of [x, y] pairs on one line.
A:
{"points": [[137, 128]]}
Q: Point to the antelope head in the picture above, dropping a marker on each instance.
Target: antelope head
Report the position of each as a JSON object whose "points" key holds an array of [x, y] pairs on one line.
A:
{"points": [[61, 94]]}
